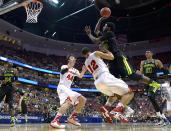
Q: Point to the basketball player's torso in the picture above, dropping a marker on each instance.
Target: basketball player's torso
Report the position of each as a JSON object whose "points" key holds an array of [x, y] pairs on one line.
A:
{"points": [[67, 78], [150, 68], [9, 77], [110, 43], [95, 65]]}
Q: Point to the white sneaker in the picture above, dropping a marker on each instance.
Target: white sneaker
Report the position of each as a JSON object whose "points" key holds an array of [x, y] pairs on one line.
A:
{"points": [[56, 124], [129, 111], [73, 121], [166, 84]]}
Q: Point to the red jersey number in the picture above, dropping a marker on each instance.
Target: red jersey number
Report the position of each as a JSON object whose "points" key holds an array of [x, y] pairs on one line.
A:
{"points": [[70, 77], [93, 66]]}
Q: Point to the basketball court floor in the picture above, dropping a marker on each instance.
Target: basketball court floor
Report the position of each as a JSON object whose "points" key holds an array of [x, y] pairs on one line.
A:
{"points": [[87, 127]]}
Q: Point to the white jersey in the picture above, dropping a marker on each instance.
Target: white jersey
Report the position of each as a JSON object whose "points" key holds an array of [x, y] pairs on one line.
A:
{"points": [[67, 78], [95, 65]]}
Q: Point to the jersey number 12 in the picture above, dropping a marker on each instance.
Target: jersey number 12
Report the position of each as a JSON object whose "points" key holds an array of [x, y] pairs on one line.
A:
{"points": [[93, 66]]}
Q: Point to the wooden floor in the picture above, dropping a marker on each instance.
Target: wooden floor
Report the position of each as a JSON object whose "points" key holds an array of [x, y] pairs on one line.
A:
{"points": [[87, 127]]}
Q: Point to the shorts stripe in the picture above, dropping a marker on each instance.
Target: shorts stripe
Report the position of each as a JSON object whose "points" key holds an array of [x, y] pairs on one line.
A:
{"points": [[128, 68]]}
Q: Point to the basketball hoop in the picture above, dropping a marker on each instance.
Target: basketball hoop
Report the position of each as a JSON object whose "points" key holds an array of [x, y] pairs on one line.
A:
{"points": [[33, 9]]}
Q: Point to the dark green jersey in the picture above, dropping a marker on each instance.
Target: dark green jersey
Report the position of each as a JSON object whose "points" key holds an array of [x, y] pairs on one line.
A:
{"points": [[9, 76], [150, 68], [25, 100]]}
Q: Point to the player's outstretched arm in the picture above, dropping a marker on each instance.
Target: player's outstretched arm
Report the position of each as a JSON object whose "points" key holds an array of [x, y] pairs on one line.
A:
{"points": [[92, 38], [108, 55], [159, 64], [97, 28], [161, 67], [84, 69]]}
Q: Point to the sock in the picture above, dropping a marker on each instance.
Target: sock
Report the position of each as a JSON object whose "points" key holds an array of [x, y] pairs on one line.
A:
{"points": [[74, 114], [163, 116], [108, 104], [26, 118], [159, 114], [120, 105], [109, 108], [58, 116]]}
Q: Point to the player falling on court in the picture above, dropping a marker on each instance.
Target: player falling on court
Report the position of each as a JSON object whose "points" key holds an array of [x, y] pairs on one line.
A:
{"points": [[119, 67], [67, 96], [7, 89], [149, 67], [105, 82]]}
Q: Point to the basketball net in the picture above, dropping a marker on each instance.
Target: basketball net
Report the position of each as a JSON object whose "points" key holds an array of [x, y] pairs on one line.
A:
{"points": [[1, 2], [33, 9]]}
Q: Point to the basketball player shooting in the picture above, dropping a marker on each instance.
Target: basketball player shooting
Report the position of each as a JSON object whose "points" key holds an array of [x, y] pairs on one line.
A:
{"points": [[106, 83], [119, 67], [67, 96]]}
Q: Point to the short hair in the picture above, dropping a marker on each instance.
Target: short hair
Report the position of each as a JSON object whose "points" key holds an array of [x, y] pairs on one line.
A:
{"points": [[85, 50], [71, 55], [111, 25], [149, 51]]}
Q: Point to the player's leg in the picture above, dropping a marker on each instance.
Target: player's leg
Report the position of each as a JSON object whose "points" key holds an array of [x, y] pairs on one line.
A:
{"points": [[2, 93], [127, 69], [62, 110], [109, 85], [121, 107], [2, 97], [169, 108], [158, 110], [104, 110], [24, 111], [79, 102], [65, 103], [10, 101], [146, 80]]}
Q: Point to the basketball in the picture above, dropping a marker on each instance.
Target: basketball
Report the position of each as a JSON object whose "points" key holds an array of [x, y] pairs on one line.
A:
{"points": [[105, 12]]}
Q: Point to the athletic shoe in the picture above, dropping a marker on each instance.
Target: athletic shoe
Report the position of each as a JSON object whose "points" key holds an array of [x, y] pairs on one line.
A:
{"points": [[118, 114], [155, 86], [73, 121], [128, 111], [119, 109], [57, 124], [166, 84], [106, 115], [13, 121], [161, 123]]}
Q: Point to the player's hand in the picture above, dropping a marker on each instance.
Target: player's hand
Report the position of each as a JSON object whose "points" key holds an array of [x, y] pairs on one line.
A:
{"points": [[84, 68], [88, 30]]}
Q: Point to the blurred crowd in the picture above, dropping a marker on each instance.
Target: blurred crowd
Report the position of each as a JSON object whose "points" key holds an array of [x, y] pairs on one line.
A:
{"points": [[44, 101]]}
